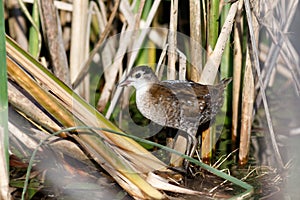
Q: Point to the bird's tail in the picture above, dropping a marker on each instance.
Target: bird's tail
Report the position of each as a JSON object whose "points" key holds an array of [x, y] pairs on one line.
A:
{"points": [[225, 81]]}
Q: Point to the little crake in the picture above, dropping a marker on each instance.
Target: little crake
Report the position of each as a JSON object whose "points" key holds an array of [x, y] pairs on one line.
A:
{"points": [[184, 105]]}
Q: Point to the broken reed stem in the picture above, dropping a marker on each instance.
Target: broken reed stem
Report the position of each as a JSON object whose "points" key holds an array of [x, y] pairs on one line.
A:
{"points": [[247, 109], [237, 70], [206, 148], [212, 65]]}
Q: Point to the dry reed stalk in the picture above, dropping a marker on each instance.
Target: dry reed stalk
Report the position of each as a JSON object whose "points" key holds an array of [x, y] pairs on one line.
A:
{"points": [[80, 45], [280, 45], [206, 148], [212, 30], [111, 72], [125, 43], [172, 40], [182, 66], [195, 34], [256, 65], [53, 37], [17, 24], [211, 67], [134, 54], [65, 19], [210, 70], [247, 109], [181, 141], [237, 70], [22, 103], [247, 102], [281, 67], [85, 66], [121, 171], [139, 14], [58, 4]]}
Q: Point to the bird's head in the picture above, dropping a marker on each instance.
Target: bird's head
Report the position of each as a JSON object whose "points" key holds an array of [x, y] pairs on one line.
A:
{"points": [[139, 76]]}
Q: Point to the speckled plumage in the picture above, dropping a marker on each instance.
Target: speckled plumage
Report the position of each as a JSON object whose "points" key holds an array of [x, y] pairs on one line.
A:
{"points": [[183, 105]]}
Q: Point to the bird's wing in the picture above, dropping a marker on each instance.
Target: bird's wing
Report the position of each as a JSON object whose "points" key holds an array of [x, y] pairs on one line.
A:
{"points": [[186, 89], [164, 99], [190, 98], [197, 100]]}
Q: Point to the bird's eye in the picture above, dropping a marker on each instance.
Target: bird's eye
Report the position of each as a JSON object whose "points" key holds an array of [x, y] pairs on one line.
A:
{"points": [[138, 75]]}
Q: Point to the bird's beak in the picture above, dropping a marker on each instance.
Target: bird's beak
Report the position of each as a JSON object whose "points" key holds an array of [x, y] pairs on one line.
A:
{"points": [[126, 82]]}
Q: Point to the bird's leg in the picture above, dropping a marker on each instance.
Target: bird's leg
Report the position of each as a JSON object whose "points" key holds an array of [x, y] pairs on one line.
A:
{"points": [[192, 145], [192, 141], [186, 144]]}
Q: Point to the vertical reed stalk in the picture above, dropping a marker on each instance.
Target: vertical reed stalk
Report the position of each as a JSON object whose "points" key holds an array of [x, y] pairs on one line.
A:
{"points": [[225, 67], [213, 30], [53, 38], [247, 109], [237, 72], [172, 40], [4, 143], [206, 148], [34, 44], [195, 34], [79, 45], [213, 25]]}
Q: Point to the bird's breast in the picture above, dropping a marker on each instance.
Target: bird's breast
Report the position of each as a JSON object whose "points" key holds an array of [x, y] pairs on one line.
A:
{"points": [[152, 107]]}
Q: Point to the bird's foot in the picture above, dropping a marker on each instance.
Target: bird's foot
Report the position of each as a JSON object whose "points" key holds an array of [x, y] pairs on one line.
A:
{"points": [[191, 148]]}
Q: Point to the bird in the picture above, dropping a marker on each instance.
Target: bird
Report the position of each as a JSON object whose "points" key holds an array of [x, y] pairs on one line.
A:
{"points": [[179, 104]]}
